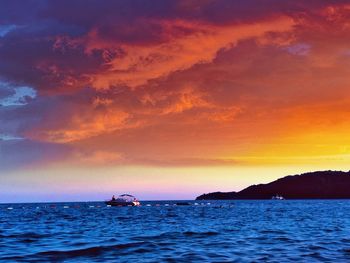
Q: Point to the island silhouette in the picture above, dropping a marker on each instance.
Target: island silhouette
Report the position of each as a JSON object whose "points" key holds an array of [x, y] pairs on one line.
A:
{"points": [[313, 185]]}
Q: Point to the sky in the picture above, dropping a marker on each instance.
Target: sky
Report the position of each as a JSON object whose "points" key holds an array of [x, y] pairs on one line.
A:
{"points": [[169, 99]]}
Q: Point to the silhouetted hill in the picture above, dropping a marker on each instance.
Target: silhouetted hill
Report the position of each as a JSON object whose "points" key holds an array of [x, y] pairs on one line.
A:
{"points": [[315, 185]]}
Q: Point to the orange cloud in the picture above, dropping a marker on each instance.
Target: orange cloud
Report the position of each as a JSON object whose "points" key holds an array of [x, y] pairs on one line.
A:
{"points": [[143, 63], [85, 126], [259, 91]]}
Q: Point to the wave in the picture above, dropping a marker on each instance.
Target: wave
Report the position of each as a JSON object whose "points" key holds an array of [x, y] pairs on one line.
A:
{"points": [[200, 234], [28, 235], [177, 235], [95, 251], [157, 234]]}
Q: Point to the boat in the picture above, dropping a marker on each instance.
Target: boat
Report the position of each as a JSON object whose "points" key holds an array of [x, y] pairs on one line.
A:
{"points": [[277, 197], [123, 200]]}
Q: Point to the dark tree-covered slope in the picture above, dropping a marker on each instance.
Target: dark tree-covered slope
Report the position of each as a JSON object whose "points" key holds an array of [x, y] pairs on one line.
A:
{"points": [[315, 185]]}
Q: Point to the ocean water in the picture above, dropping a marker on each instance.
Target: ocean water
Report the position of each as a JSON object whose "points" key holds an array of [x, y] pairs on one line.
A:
{"points": [[222, 231]]}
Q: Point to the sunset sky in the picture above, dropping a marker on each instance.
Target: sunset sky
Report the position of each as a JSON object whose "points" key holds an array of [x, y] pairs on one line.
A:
{"points": [[168, 99]]}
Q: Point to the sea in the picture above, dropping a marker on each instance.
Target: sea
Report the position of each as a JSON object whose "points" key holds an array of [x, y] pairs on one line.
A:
{"points": [[161, 231]]}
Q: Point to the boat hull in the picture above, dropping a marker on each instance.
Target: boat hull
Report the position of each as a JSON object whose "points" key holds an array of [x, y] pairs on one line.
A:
{"points": [[116, 203]]}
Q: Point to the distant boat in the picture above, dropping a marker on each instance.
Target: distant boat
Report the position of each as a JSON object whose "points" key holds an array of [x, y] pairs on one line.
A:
{"points": [[277, 197], [123, 200]]}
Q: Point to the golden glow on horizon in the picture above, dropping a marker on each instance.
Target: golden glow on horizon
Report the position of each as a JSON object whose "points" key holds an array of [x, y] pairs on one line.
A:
{"points": [[146, 183]]}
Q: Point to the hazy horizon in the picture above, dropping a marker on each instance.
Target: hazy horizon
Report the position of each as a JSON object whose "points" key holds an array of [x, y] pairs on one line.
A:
{"points": [[23, 196]]}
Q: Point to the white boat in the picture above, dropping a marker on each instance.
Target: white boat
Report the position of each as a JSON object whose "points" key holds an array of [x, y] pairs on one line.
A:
{"points": [[123, 200], [278, 197]]}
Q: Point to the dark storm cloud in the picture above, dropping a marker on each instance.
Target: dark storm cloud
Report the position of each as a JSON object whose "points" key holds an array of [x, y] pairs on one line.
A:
{"points": [[20, 12], [48, 48]]}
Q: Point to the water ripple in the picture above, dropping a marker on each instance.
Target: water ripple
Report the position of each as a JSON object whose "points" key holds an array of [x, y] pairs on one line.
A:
{"points": [[239, 231]]}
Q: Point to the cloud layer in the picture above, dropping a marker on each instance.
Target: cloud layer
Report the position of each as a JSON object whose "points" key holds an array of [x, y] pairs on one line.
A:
{"points": [[172, 82]]}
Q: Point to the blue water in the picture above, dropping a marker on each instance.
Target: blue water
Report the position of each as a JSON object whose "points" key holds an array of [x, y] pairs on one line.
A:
{"points": [[235, 231]]}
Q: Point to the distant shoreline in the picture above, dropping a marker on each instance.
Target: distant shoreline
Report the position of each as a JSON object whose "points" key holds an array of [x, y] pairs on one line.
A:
{"points": [[315, 185]]}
